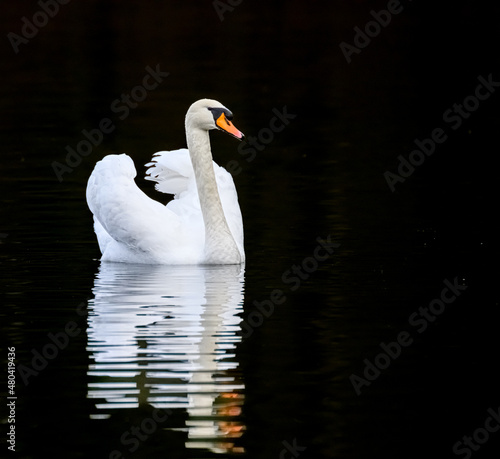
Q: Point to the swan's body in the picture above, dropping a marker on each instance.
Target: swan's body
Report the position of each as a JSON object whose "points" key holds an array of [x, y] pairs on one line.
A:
{"points": [[202, 225]]}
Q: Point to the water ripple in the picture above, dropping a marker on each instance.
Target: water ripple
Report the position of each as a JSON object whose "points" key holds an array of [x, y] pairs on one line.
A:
{"points": [[165, 337]]}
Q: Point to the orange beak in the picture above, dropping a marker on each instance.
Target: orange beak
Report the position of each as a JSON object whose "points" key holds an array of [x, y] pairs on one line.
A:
{"points": [[226, 125]]}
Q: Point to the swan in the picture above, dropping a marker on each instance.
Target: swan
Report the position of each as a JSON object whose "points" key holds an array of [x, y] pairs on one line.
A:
{"points": [[201, 225]]}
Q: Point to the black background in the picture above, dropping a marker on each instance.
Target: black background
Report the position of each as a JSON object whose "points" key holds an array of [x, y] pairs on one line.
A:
{"points": [[322, 175]]}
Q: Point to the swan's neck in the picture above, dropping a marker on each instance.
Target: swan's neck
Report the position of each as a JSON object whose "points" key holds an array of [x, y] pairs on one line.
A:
{"points": [[220, 247]]}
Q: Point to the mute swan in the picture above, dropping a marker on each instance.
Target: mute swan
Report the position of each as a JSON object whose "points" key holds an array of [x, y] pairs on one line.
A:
{"points": [[202, 225]]}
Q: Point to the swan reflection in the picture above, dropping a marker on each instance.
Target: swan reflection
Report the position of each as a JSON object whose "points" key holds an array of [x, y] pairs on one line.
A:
{"points": [[165, 336]]}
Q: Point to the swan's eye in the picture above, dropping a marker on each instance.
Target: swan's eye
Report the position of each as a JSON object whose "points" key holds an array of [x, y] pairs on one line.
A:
{"points": [[217, 112]]}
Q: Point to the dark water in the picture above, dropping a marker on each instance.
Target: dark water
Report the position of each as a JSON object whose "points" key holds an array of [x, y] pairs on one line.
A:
{"points": [[257, 362]]}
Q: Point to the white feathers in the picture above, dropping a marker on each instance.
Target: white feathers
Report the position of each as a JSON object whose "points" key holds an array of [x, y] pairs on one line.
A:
{"points": [[132, 228], [171, 171]]}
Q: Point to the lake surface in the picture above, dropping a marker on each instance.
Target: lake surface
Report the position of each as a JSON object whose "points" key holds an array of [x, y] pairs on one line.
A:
{"points": [[362, 324]]}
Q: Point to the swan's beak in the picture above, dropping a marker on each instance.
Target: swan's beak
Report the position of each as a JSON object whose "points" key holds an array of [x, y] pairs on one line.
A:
{"points": [[226, 125]]}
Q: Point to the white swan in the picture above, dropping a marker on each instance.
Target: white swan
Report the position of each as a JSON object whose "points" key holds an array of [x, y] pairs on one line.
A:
{"points": [[202, 225]]}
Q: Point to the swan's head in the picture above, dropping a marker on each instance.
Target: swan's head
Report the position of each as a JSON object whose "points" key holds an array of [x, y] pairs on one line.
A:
{"points": [[208, 114]]}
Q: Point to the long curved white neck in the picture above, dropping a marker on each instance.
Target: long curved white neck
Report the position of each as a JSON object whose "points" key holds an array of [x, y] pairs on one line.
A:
{"points": [[220, 247]]}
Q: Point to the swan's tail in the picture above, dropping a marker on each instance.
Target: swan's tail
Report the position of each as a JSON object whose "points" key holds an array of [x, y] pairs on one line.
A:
{"points": [[171, 170]]}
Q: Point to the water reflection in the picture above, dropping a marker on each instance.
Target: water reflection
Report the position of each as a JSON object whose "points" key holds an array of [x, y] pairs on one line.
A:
{"points": [[165, 337]]}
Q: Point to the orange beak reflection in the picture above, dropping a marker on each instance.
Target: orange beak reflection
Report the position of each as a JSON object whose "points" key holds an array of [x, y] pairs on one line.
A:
{"points": [[226, 125]]}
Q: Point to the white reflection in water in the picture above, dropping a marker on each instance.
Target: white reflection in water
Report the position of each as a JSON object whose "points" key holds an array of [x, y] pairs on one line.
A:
{"points": [[165, 336]]}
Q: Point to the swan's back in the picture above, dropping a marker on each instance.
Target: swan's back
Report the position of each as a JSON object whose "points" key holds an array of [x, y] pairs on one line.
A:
{"points": [[133, 228]]}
